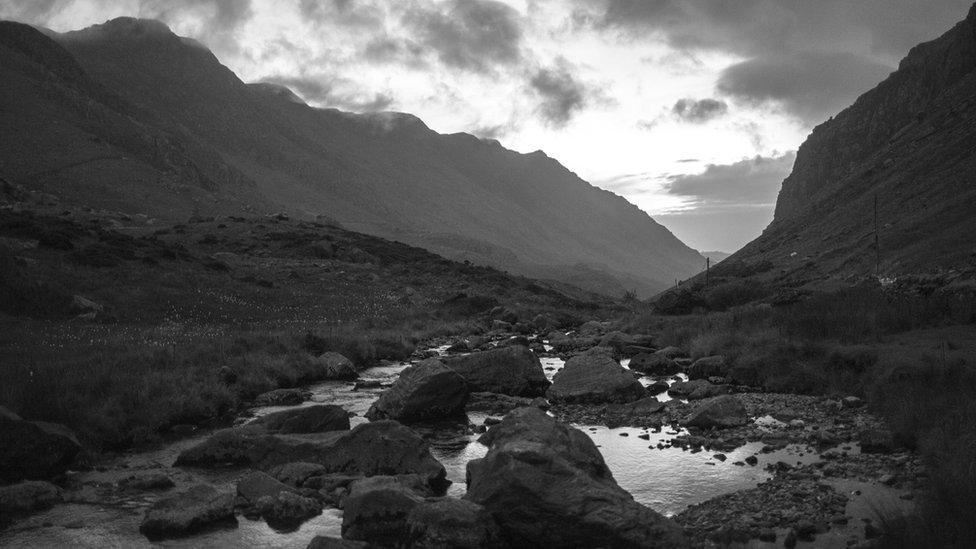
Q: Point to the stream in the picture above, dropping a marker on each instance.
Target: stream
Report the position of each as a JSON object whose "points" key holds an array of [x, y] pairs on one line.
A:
{"points": [[666, 480]]}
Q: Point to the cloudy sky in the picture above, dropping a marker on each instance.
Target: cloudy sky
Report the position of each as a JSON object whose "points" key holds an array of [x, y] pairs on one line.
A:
{"points": [[691, 109]]}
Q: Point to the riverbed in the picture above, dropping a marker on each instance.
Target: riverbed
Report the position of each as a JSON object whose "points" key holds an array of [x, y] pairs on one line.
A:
{"points": [[666, 480]]}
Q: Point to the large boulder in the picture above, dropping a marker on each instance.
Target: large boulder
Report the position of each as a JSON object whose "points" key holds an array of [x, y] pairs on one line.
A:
{"points": [[513, 370], [34, 450], [452, 523], [707, 367], [27, 497], [428, 390], [198, 508], [697, 389], [337, 366], [376, 509], [377, 448], [546, 485], [718, 413], [307, 419], [654, 364], [594, 377]]}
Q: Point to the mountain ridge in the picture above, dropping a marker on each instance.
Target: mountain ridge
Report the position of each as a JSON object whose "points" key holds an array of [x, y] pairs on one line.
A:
{"points": [[386, 174], [885, 187]]}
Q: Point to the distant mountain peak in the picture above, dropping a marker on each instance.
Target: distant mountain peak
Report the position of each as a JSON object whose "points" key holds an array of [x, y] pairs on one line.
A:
{"points": [[126, 27]]}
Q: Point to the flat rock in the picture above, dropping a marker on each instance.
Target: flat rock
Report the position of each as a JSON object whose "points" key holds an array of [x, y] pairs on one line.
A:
{"points": [[428, 390], [720, 412], [307, 419], [198, 508], [512, 370], [282, 397], [594, 377], [376, 448]]}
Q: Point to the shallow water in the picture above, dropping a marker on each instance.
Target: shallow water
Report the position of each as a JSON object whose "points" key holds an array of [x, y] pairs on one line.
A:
{"points": [[666, 480]]}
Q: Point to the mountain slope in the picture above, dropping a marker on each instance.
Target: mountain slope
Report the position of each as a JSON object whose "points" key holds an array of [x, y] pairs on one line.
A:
{"points": [[907, 148], [259, 147]]}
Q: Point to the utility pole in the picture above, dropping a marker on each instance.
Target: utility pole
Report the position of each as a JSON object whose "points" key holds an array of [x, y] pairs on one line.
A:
{"points": [[708, 267]]}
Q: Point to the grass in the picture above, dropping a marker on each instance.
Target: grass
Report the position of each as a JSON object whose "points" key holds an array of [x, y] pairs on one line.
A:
{"points": [[911, 353], [199, 318]]}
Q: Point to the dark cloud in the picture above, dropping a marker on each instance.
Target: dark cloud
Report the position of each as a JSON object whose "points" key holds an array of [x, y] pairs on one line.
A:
{"points": [[703, 110], [748, 182], [561, 94], [757, 27], [812, 57], [813, 86], [471, 34], [342, 12]]}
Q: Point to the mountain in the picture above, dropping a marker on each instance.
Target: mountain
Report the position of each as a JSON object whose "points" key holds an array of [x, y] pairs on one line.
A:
{"points": [[905, 150], [128, 116], [715, 256]]}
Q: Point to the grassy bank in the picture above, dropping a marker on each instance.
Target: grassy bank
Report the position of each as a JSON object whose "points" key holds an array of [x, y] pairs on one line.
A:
{"points": [[911, 354], [132, 388], [184, 324]]}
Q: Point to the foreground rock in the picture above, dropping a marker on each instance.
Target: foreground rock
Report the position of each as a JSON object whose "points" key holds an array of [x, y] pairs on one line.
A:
{"points": [[513, 370], [27, 497], [546, 485], [309, 419], [199, 508], [337, 367], [34, 450], [377, 448], [718, 413], [456, 523], [594, 377], [428, 390], [376, 509]]}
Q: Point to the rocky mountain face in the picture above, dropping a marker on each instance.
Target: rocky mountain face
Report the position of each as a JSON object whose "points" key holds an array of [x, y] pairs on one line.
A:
{"points": [[128, 116], [905, 150]]}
